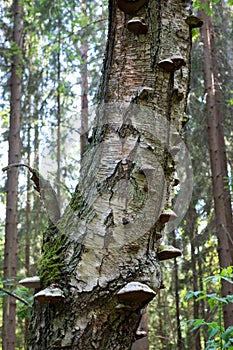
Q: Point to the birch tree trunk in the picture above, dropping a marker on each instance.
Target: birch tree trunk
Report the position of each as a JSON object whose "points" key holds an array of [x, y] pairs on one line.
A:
{"points": [[100, 262], [10, 248], [217, 148]]}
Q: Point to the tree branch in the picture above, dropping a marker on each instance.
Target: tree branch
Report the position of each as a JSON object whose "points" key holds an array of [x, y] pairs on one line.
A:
{"points": [[15, 296], [47, 193]]}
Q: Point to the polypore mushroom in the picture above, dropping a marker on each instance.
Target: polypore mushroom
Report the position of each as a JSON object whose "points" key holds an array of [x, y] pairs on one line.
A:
{"points": [[175, 138], [31, 282], [162, 286], [176, 181], [137, 25], [141, 334], [168, 252], [158, 236], [136, 293], [130, 6], [194, 22], [185, 120], [178, 61], [144, 92], [167, 215], [175, 150], [50, 295], [167, 65]]}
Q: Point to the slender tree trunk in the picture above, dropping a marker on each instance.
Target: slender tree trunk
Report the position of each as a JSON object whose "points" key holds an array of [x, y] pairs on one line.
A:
{"points": [[222, 199], [58, 177], [102, 256], [202, 307], [84, 87], [28, 202], [192, 229], [180, 343], [28, 212], [10, 249]]}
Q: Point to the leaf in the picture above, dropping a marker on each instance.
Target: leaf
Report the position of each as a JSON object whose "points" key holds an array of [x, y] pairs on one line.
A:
{"points": [[226, 272], [212, 279], [191, 294], [198, 323], [227, 334], [211, 303], [213, 332], [229, 298]]}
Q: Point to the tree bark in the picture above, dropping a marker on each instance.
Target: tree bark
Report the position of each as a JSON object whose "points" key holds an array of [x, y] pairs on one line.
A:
{"points": [[180, 343], [192, 227], [108, 237], [222, 199], [84, 87], [10, 248]]}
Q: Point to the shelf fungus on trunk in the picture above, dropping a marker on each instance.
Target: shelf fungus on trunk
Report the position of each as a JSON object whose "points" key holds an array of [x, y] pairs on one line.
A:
{"points": [[178, 61], [145, 92], [168, 252], [194, 22], [173, 63], [167, 65], [167, 215], [31, 282], [137, 25], [130, 6], [136, 294], [185, 119], [50, 295], [141, 334], [175, 181]]}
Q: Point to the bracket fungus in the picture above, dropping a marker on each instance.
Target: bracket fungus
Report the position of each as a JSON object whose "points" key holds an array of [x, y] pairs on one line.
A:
{"points": [[176, 181], [50, 295], [175, 138], [31, 282], [167, 215], [136, 293], [167, 65], [175, 150], [140, 334], [130, 6], [185, 120], [171, 64], [144, 92], [168, 252], [137, 25], [194, 22], [178, 61]]}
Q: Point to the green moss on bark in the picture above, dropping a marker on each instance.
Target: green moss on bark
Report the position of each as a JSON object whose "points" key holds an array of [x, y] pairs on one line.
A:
{"points": [[51, 261]]}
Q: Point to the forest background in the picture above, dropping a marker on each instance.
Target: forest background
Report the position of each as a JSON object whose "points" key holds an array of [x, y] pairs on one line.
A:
{"points": [[62, 54]]}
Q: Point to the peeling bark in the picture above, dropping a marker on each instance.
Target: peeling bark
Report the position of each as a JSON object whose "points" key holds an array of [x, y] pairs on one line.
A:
{"points": [[110, 231]]}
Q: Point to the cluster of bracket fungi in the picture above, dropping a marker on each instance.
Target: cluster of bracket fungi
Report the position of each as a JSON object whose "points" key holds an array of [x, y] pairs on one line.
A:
{"points": [[137, 25]]}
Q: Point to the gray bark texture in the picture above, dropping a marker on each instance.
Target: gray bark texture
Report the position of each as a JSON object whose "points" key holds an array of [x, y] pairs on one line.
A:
{"points": [[108, 237]]}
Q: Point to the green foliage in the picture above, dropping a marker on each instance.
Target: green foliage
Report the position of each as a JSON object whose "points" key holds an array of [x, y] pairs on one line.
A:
{"points": [[24, 310], [218, 337], [23, 296]]}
